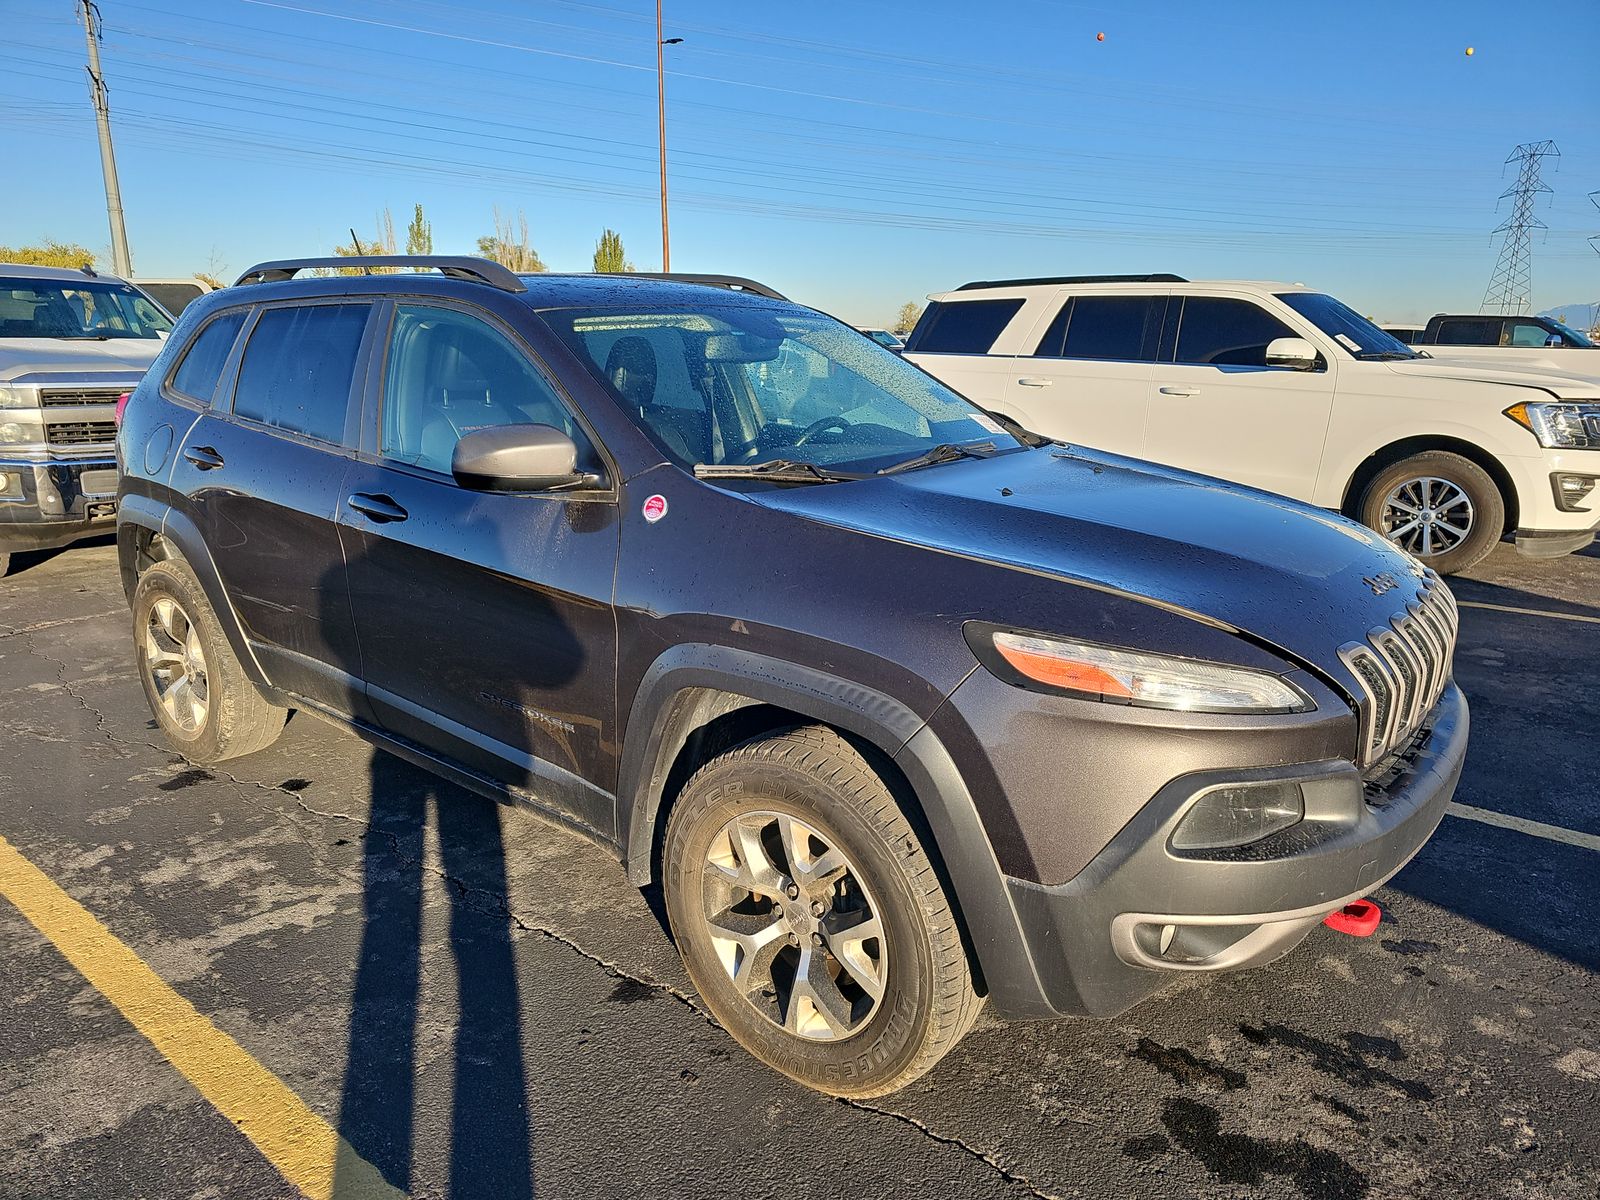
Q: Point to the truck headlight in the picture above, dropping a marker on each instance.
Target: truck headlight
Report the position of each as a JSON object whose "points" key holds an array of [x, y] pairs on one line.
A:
{"points": [[19, 397], [18, 429], [1560, 426], [1132, 677], [1238, 814]]}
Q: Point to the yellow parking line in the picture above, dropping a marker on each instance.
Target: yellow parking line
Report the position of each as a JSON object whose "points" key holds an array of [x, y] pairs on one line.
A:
{"points": [[1528, 612], [304, 1148]]}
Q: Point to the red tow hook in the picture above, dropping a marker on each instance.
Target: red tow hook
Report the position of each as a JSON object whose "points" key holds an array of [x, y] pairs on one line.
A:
{"points": [[1359, 919]]}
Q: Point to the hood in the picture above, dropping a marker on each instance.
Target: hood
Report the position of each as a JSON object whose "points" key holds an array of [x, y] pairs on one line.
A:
{"points": [[1560, 382], [50, 360], [1285, 573]]}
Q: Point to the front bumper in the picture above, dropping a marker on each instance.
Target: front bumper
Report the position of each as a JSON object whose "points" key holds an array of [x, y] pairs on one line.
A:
{"points": [[1100, 942], [55, 502], [1553, 543]]}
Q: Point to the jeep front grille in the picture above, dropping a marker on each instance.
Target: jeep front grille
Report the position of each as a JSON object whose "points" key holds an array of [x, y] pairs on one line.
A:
{"points": [[1402, 668], [65, 397], [80, 433]]}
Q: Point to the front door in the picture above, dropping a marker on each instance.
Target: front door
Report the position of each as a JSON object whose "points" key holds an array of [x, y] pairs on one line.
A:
{"points": [[1088, 379], [1218, 408], [485, 618], [260, 473]]}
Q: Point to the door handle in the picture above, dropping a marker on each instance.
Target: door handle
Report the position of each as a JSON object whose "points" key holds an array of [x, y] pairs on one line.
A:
{"points": [[1035, 381], [380, 508], [1180, 391], [203, 457]]}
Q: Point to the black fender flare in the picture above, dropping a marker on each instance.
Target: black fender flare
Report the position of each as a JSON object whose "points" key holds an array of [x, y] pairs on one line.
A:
{"points": [[181, 533], [658, 726]]}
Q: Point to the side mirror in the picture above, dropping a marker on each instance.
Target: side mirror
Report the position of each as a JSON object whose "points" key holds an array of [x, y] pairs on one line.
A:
{"points": [[1293, 352], [518, 458]]}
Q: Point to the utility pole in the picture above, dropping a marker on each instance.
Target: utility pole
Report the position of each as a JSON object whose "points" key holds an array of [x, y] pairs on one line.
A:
{"points": [[121, 263], [1510, 287], [661, 111]]}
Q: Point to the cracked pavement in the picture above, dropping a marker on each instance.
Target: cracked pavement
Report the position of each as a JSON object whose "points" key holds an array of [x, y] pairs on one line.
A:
{"points": [[481, 1006]]}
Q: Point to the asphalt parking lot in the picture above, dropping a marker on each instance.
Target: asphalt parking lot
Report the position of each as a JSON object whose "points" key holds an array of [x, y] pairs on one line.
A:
{"points": [[476, 1004]]}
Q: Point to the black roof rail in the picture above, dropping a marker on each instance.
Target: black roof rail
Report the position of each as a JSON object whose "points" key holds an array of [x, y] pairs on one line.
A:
{"points": [[995, 283], [478, 270], [734, 283]]}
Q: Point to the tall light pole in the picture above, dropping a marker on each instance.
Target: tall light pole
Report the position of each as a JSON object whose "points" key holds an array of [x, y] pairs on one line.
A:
{"points": [[121, 263], [661, 110]]}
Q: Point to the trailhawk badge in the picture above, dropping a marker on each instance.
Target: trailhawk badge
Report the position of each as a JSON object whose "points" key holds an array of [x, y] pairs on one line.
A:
{"points": [[655, 508]]}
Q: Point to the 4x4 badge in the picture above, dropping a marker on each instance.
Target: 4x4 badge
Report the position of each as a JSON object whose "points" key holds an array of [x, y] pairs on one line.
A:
{"points": [[655, 508], [1381, 583]]}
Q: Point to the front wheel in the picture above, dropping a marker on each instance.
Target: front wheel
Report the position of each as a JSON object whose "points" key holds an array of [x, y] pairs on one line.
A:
{"points": [[1438, 506], [5, 563], [810, 919]]}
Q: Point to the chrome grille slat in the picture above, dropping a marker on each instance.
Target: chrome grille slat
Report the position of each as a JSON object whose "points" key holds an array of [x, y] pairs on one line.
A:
{"points": [[64, 397], [1402, 669]]}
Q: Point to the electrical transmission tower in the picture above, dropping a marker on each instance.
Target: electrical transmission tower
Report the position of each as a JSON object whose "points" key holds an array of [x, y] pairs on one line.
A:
{"points": [[1512, 283], [1594, 244]]}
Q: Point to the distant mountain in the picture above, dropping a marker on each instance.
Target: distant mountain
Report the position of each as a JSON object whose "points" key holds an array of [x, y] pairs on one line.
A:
{"points": [[1576, 316]]}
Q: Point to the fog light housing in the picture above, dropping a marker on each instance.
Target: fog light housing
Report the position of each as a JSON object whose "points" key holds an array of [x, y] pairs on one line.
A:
{"points": [[1238, 814], [1572, 490], [10, 485]]}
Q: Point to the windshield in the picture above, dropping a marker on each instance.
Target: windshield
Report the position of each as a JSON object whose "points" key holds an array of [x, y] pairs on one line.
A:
{"points": [[1346, 326], [742, 385], [1576, 338], [67, 308]]}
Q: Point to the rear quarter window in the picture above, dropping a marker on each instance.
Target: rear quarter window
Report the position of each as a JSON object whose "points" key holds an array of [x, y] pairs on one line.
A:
{"points": [[962, 326], [201, 367]]}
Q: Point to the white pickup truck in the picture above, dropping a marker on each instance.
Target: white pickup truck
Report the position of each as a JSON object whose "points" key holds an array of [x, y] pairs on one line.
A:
{"points": [[1288, 390], [1540, 341]]}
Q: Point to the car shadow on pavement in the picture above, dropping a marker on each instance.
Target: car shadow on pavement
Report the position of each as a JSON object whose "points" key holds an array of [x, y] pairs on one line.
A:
{"points": [[489, 1119]]}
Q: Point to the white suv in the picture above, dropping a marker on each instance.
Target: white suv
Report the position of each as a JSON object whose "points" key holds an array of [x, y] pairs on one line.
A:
{"points": [[1285, 389]]}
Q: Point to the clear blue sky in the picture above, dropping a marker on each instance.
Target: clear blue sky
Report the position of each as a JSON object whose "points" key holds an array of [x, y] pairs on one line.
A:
{"points": [[854, 155]]}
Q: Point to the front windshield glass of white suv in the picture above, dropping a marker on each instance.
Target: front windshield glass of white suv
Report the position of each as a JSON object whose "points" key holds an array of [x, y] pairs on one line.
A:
{"points": [[90, 310], [1347, 327], [742, 386]]}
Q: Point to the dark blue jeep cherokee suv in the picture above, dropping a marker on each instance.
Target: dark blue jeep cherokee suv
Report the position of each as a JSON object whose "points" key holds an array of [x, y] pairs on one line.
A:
{"points": [[906, 708]]}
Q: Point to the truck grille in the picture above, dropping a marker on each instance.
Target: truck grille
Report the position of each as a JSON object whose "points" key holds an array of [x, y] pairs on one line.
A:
{"points": [[62, 397], [1403, 668], [80, 433]]}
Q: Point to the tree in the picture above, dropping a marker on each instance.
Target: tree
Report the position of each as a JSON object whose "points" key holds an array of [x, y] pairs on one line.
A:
{"points": [[609, 258], [48, 253], [508, 245], [419, 235], [910, 313], [208, 278]]}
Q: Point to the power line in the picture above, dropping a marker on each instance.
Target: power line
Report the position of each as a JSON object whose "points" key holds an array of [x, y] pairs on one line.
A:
{"points": [[1512, 282]]}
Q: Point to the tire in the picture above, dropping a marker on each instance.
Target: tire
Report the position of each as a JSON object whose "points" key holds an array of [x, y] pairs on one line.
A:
{"points": [[5, 563], [851, 1043], [1456, 492], [205, 704]]}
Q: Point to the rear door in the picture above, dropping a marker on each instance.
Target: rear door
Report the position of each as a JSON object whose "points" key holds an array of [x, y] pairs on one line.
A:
{"points": [[970, 345], [1086, 379], [485, 618], [1216, 407], [260, 472]]}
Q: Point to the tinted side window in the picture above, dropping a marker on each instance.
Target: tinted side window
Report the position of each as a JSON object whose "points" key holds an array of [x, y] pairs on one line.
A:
{"points": [[1120, 328], [1226, 333], [962, 326], [1056, 336], [298, 367], [1469, 332], [197, 375], [448, 374]]}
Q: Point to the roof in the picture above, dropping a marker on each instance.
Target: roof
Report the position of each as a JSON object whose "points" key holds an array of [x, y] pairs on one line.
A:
{"points": [[549, 290], [974, 292], [26, 271]]}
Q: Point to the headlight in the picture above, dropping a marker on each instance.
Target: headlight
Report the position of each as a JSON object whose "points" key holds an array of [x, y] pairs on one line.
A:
{"points": [[1132, 677], [19, 430], [1560, 426], [19, 397]]}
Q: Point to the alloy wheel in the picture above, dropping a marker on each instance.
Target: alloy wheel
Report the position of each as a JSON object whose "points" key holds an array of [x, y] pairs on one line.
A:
{"points": [[794, 926], [1427, 516], [176, 663]]}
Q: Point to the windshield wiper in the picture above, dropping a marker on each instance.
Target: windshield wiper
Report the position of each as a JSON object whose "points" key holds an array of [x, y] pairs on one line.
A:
{"points": [[778, 470], [942, 453], [1386, 356], [1017, 430]]}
